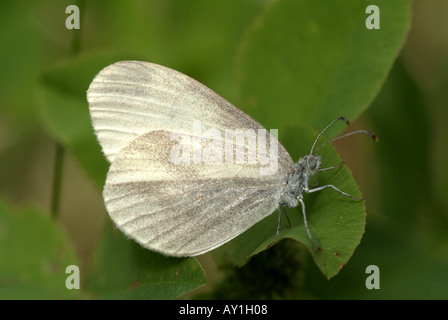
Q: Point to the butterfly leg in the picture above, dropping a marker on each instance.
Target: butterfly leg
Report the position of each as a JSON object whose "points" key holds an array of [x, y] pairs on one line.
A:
{"points": [[278, 226], [289, 222], [305, 222], [331, 168], [332, 186], [326, 169]]}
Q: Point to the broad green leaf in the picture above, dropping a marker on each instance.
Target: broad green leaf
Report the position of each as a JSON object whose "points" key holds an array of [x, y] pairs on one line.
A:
{"points": [[34, 254], [125, 270], [311, 61], [336, 222], [65, 110]]}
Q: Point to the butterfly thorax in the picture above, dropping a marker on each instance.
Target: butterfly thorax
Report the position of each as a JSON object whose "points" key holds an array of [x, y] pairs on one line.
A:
{"points": [[298, 179]]}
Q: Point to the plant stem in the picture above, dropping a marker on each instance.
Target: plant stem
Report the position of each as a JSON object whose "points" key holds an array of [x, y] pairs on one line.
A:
{"points": [[60, 149], [57, 180]]}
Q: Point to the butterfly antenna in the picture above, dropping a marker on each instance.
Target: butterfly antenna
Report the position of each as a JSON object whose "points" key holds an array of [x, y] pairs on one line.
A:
{"points": [[370, 133], [326, 128]]}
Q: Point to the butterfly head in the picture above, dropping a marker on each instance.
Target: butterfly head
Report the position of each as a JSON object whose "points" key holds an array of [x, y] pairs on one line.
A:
{"points": [[311, 164]]}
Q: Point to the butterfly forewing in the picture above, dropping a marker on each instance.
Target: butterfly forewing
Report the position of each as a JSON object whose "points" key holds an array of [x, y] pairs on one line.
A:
{"points": [[130, 98]]}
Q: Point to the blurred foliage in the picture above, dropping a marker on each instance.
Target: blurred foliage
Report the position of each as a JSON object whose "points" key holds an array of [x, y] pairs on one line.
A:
{"points": [[286, 63], [34, 256]]}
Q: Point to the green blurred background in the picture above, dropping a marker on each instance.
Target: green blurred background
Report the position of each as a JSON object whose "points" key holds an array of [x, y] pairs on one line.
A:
{"points": [[403, 177]]}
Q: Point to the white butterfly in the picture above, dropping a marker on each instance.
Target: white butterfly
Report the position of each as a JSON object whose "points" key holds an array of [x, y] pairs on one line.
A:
{"points": [[183, 203]]}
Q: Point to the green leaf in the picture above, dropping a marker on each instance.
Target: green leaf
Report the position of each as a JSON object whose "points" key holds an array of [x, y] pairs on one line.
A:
{"points": [[65, 111], [336, 222], [34, 254], [125, 270], [312, 61]]}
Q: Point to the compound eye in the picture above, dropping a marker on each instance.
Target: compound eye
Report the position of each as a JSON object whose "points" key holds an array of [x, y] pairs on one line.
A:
{"points": [[312, 163]]}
